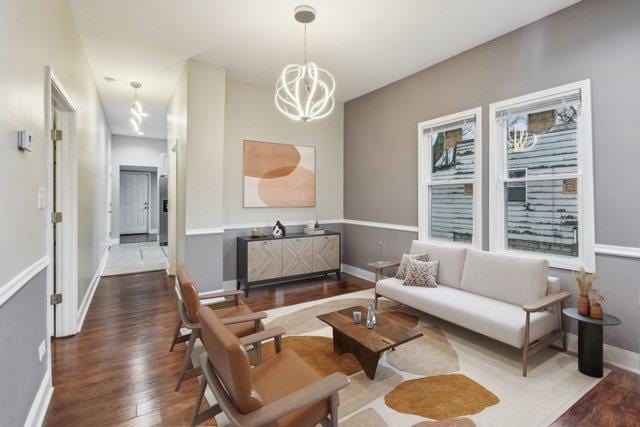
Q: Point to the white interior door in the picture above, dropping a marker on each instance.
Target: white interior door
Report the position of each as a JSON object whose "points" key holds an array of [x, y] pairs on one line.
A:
{"points": [[134, 203]]}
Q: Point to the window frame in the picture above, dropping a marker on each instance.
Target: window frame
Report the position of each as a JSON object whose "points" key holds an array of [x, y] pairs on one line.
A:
{"points": [[498, 178], [425, 181]]}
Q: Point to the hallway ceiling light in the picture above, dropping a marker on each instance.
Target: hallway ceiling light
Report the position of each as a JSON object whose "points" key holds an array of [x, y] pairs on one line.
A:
{"points": [[305, 92], [136, 110]]}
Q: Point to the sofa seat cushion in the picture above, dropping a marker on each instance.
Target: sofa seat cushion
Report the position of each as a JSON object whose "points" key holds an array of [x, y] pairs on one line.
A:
{"points": [[283, 374], [451, 260], [496, 319], [511, 279]]}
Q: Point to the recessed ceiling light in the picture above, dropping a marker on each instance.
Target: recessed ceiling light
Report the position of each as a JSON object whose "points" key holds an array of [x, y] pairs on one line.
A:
{"points": [[140, 133], [109, 79]]}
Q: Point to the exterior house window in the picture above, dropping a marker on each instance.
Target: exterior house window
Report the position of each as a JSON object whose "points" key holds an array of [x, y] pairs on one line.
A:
{"points": [[449, 197], [541, 198]]}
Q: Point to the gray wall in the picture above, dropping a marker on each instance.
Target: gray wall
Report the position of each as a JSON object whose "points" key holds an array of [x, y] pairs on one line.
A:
{"points": [[24, 325], [592, 39], [203, 260]]}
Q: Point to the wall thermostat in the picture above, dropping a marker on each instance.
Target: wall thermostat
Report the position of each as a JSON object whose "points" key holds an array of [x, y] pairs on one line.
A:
{"points": [[25, 140]]}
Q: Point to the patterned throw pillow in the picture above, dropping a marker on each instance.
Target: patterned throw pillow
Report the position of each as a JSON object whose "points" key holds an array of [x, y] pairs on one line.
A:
{"points": [[404, 262], [421, 273]]}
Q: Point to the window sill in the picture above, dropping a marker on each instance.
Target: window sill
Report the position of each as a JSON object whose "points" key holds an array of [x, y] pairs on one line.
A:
{"points": [[555, 261]]}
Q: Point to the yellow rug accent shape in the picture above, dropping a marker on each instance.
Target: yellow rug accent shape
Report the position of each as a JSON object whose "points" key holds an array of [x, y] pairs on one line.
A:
{"points": [[440, 397], [317, 352]]}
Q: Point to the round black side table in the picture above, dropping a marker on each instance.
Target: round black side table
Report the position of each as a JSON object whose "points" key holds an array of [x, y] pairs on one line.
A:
{"points": [[590, 340]]}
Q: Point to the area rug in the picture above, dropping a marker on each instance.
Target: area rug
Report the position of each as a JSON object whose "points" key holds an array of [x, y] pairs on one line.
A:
{"points": [[448, 377]]}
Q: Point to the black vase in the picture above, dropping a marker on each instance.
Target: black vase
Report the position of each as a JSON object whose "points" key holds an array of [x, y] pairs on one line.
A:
{"points": [[281, 227]]}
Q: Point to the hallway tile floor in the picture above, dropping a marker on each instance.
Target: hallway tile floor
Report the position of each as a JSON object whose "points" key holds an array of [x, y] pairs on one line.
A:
{"points": [[135, 258]]}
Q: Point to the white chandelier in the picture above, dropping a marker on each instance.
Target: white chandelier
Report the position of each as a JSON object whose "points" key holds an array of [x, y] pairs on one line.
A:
{"points": [[305, 92], [136, 110], [519, 141]]}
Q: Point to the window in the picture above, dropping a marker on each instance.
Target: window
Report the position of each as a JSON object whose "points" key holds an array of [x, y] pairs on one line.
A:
{"points": [[541, 199], [449, 198]]}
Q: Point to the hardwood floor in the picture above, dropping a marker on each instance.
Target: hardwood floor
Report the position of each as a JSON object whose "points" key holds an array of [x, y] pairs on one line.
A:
{"points": [[118, 370]]}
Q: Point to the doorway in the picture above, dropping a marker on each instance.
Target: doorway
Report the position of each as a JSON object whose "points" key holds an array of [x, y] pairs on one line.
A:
{"points": [[134, 203], [62, 232]]}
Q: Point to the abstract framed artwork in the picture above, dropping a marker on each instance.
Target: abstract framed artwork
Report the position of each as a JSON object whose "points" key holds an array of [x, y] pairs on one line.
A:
{"points": [[279, 175]]}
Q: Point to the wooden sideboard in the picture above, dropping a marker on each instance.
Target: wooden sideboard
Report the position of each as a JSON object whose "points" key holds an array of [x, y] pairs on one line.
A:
{"points": [[269, 259]]}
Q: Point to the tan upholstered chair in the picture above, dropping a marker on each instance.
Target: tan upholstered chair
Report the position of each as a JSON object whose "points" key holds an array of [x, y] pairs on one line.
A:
{"points": [[239, 318], [280, 391]]}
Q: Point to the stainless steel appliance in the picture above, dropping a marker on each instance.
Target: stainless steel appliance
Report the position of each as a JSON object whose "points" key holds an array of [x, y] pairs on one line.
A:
{"points": [[164, 209]]}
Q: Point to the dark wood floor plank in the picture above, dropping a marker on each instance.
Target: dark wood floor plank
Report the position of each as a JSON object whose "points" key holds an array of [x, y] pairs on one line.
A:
{"points": [[118, 370]]}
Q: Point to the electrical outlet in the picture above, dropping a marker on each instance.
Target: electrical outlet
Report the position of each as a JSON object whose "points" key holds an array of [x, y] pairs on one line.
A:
{"points": [[42, 350], [42, 198]]}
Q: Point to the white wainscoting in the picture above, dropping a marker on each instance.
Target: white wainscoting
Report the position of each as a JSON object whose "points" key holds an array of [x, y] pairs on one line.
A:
{"points": [[88, 296], [618, 251], [399, 227], [202, 231], [615, 356], [14, 285], [40, 404], [271, 224]]}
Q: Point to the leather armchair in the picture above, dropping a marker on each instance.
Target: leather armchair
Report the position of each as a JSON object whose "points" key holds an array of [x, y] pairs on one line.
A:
{"points": [[239, 318], [280, 391]]}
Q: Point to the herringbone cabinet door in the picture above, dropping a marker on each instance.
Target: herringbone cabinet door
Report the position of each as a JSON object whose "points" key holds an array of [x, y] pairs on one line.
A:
{"points": [[297, 256], [326, 253], [264, 260]]}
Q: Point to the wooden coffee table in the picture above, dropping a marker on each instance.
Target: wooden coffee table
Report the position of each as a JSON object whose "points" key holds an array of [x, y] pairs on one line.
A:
{"points": [[367, 345]]}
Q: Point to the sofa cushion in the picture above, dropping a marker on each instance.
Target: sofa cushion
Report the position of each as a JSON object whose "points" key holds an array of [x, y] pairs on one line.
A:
{"points": [[421, 273], [512, 279], [451, 260], [404, 263], [496, 319]]}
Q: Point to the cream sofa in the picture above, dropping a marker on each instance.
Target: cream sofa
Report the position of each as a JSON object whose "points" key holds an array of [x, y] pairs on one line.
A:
{"points": [[510, 299]]}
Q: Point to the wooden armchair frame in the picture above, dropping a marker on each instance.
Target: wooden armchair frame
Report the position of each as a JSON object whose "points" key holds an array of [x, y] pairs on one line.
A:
{"points": [[194, 334], [529, 349], [320, 390]]}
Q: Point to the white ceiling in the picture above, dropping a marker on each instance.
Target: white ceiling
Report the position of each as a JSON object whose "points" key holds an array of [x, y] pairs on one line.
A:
{"points": [[365, 44]]}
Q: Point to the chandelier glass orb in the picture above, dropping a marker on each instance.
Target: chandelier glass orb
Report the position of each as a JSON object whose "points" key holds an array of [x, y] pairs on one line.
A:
{"points": [[305, 92]]}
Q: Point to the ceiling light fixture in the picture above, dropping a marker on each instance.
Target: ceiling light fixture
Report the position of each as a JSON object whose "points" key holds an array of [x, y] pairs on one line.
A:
{"points": [[136, 110], [305, 92]]}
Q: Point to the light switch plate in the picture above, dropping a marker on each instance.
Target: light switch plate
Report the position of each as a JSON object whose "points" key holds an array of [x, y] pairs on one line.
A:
{"points": [[42, 198], [42, 349]]}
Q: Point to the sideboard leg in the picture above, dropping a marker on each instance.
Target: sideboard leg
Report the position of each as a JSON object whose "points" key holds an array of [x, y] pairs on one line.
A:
{"points": [[338, 275], [246, 290]]}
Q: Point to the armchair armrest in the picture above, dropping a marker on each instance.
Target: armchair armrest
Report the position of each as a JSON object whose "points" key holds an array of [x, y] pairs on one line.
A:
{"points": [[305, 397], [216, 294], [220, 294], [546, 302], [258, 337], [244, 318]]}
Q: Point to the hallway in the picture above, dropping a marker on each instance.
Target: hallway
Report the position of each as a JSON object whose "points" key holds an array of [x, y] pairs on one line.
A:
{"points": [[130, 258]]}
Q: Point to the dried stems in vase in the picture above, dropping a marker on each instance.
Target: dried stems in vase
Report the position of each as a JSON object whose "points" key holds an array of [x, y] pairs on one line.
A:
{"points": [[585, 282]]}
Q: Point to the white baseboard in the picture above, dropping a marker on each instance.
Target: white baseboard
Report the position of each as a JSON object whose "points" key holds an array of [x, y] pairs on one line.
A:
{"points": [[88, 297], [40, 404], [229, 285], [153, 231], [619, 357], [115, 241], [369, 276]]}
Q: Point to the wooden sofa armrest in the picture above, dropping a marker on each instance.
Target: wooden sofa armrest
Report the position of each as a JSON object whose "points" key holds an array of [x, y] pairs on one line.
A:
{"points": [[258, 337], [307, 396], [249, 317], [546, 302]]}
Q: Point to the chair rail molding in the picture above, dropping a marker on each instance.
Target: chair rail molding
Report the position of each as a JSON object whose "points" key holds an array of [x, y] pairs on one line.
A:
{"points": [[14, 285], [203, 231], [270, 224], [618, 251], [399, 227]]}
